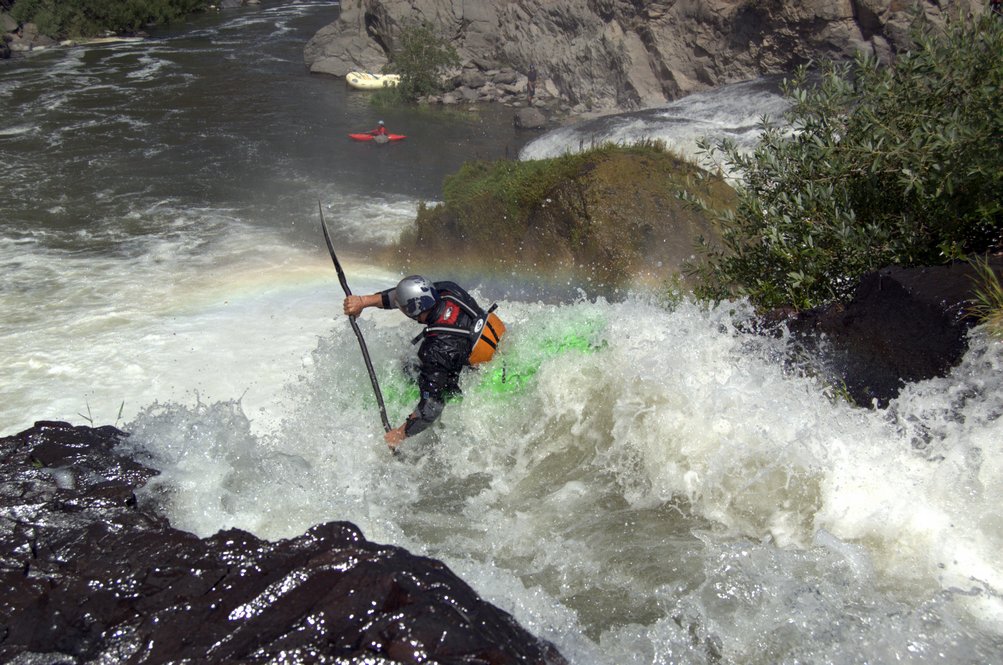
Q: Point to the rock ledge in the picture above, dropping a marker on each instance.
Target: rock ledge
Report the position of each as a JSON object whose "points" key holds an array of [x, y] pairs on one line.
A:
{"points": [[87, 575]]}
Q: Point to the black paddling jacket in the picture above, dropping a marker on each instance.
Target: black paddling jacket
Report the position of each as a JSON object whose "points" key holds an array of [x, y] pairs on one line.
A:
{"points": [[442, 355]]}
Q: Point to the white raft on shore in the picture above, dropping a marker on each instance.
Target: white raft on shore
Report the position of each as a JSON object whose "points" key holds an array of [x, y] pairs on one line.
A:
{"points": [[367, 81]]}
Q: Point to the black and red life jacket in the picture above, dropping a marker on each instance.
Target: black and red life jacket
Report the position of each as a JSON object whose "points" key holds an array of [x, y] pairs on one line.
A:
{"points": [[484, 330]]}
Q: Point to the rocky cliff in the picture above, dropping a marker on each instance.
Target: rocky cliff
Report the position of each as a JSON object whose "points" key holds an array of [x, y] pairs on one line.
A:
{"points": [[611, 55]]}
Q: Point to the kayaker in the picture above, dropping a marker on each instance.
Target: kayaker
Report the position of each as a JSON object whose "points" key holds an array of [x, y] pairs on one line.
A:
{"points": [[458, 333], [380, 130]]}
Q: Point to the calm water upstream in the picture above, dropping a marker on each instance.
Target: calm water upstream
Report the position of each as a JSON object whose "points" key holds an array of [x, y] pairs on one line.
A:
{"points": [[669, 495]]}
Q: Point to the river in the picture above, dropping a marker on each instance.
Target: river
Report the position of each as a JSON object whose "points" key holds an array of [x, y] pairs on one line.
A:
{"points": [[667, 493]]}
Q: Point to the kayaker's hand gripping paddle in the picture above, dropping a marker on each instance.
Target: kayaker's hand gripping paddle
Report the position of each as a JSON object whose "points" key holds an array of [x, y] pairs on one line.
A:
{"points": [[355, 326]]}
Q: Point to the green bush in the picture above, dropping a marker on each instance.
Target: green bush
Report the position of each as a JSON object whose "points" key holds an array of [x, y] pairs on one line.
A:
{"points": [[420, 56], [84, 18], [882, 165]]}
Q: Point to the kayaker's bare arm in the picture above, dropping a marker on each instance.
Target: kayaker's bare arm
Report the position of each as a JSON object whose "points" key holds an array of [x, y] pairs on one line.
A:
{"points": [[354, 305]]}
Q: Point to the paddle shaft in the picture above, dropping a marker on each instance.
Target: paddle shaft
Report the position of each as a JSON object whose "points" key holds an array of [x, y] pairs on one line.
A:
{"points": [[355, 326]]}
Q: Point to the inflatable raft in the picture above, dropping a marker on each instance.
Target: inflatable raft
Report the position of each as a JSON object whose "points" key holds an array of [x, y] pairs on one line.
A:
{"points": [[367, 81]]}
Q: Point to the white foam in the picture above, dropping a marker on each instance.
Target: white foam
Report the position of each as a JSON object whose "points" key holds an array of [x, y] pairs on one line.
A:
{"points": [[376, 219], [150, 68], [610, 458], [180, 312], [733, 112], [18, 130]]}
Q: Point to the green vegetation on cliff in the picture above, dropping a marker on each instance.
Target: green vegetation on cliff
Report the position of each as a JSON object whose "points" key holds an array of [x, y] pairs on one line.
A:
{"points": [[87, 18], [420, 56], [886, 165], [606, 216]]}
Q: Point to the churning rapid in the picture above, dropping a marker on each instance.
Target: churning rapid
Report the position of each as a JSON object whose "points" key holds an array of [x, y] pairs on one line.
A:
{"points": [[665, 491]]}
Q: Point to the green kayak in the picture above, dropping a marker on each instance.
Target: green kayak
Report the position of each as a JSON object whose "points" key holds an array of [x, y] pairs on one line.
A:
{"points": [[511, 371]]}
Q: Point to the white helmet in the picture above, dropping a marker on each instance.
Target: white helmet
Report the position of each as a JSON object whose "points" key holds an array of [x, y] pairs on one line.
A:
{"points": [[415, 295]]}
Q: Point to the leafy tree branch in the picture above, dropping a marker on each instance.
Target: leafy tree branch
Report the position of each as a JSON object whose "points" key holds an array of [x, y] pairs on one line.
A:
{"points": [[875, 165]]}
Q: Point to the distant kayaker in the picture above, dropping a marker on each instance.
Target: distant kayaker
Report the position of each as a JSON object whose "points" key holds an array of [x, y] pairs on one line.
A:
{"points": [[380, 130], [457, 334]]}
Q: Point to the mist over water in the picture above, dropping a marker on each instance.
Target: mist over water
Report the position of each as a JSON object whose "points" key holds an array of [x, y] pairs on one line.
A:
{"points": [[159, 211], [670, 491]]}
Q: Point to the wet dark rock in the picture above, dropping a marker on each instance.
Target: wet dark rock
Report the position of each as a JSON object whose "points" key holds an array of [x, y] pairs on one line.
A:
{"points": [[88, 575], [903, 325]]}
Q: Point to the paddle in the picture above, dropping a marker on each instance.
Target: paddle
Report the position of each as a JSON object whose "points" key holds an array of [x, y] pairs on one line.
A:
{"points": [[355, 326]]}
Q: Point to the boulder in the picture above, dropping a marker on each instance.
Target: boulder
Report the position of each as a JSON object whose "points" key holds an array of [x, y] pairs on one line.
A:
{"points": [[88, 574], [902, 325], [344, 46], [28, 38], [506, 76], [473, 78], [529, 118], [7, 22]]}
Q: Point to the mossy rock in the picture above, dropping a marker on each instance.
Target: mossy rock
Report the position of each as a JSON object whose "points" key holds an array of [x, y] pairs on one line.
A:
{"points": [[611, 216]]}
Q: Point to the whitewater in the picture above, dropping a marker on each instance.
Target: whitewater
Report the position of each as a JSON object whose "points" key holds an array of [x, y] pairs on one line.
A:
{"points": [[674, 492]]}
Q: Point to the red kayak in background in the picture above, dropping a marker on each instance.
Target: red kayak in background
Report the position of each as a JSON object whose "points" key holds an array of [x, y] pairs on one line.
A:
{"points": [[378, 138]]}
